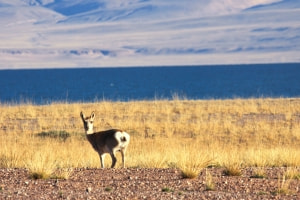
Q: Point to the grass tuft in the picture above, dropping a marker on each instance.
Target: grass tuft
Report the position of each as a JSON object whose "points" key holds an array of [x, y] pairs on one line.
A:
{"points": [[189, 172], [39, 175], [283, 186], [259, 173], [108, 189], [209, 182], [192, 163], [167, 189], [232, 170], [64, 173], [292, 173], [258, 176]]}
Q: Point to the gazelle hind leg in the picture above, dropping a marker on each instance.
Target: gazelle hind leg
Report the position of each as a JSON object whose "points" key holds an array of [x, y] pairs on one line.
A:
{"points": [[123, 156], [114, 159]]}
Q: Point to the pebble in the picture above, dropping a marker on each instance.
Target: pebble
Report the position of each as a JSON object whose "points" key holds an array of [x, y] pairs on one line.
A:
{"points": [[88, 190]]}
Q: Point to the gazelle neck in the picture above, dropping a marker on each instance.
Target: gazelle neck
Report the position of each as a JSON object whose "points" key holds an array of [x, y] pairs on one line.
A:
{"points": [[89, 131]]}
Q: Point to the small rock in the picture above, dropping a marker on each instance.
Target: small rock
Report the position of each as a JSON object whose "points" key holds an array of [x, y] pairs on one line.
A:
{"points": [[89, 189]]}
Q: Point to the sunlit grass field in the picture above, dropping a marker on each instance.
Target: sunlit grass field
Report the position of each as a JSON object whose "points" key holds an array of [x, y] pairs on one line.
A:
{"points": [[186, 134]]}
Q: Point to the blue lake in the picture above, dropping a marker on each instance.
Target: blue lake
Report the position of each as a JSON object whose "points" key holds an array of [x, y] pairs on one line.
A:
{"points": [[44, 86]]}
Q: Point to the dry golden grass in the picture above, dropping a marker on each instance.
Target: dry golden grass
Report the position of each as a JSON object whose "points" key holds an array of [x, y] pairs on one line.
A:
{"points": [[209, 181], [188, 134]]}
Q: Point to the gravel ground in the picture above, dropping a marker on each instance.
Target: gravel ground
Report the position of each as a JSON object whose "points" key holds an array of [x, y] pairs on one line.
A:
{"points": [[135, 183]]}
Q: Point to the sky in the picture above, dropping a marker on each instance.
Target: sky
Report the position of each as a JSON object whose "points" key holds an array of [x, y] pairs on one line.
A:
{"points": [[111, 33]]}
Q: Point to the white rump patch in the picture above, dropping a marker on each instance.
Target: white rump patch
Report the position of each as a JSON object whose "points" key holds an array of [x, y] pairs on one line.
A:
{"points": [[122, 138]]}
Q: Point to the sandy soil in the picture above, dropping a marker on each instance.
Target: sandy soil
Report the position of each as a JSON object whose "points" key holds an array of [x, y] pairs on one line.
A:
{"points": [[135, 183]]}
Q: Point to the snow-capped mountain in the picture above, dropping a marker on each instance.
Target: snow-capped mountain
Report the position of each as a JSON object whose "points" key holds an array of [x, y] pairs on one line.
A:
{"points": [[80, 33]]}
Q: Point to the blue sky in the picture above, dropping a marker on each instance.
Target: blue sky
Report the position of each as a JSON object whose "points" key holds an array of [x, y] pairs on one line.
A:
{"points": [[106, 33]]}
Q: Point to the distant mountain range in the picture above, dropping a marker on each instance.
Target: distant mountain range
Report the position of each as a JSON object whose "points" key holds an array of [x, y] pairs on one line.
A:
{"points": [[105, 33]]}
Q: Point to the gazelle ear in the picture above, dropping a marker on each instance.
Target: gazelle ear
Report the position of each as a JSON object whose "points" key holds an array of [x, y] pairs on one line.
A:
{"points": [[93, 115], [82, 116]]}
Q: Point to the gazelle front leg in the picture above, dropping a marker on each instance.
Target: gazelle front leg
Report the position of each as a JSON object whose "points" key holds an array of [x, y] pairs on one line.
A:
{"points": [[102, 157]]}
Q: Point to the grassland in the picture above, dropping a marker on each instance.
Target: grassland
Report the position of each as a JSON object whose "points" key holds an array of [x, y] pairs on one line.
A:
{"points": [[186, 134]]}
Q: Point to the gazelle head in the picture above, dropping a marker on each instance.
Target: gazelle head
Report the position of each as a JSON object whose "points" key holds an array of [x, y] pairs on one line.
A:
{"points": [[88, 122]]}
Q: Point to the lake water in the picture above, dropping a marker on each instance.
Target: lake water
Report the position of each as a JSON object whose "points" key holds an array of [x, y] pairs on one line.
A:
{"points": [[44, 86]]}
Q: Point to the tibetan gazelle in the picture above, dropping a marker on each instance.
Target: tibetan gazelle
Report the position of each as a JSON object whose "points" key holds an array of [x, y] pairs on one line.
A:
{"points": [[103, 142]]}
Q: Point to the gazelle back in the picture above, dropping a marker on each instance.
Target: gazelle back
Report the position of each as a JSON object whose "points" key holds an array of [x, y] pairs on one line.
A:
{"points": [[109, 141]]}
